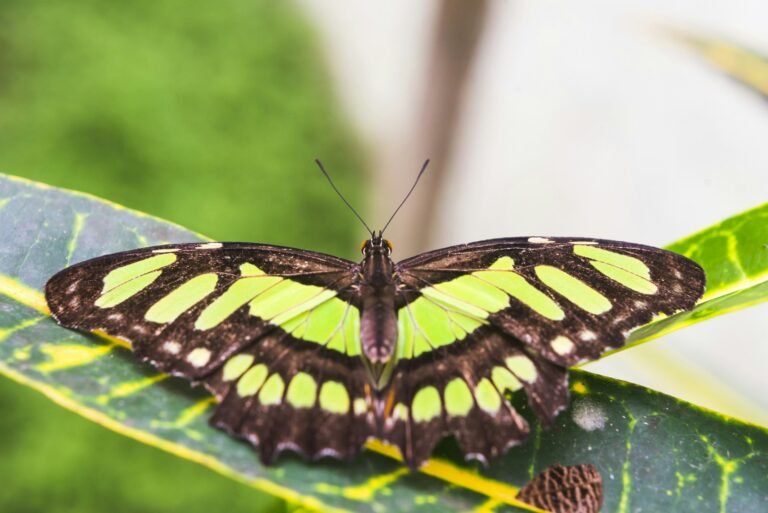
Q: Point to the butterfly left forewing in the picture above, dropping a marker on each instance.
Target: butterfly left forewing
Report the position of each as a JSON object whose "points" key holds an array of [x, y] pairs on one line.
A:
{"points": [[569, 300], [272, 332]]}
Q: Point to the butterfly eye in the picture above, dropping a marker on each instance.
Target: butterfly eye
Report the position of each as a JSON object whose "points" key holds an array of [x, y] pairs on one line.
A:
{"points": [[389, 245], [362, 246]]}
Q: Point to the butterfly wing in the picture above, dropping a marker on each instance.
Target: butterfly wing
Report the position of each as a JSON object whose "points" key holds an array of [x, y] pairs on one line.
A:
{"points": [[463, 390], [271, 331], [480, 320], [568, 300]]}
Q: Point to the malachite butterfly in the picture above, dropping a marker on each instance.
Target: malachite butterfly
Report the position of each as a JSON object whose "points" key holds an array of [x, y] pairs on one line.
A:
{"points": [[317, 354]]}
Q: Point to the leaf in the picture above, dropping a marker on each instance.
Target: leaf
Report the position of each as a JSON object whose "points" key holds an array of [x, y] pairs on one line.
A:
{"points": [[734, 255], [746, 66], [654, 452]]}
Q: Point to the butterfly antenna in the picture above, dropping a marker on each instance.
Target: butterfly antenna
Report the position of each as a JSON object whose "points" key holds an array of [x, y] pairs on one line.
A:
{"points": [[415, 183], [320, 165]]}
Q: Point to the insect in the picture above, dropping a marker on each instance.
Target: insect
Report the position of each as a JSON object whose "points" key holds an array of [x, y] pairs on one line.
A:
{"points": [[316, 354]]}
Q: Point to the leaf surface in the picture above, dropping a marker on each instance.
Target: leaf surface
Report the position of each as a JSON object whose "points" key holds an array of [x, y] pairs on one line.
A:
{"points": [[734, 255], [654, 452]]}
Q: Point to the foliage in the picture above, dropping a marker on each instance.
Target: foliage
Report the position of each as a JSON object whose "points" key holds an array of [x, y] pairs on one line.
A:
{"points": [[154, 105]]}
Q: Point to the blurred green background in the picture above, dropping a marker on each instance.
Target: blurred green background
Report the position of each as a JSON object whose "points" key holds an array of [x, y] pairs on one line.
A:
{"points": [[206, 114]]}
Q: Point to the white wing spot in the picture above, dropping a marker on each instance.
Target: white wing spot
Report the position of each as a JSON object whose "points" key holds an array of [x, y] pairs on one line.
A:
{"points": [[619, 319], [333, 453], [477, 456], [199, 357], [210, 245], [587, 335], [589, 415], [677, 288], [115, 316], [640, 304], [562, 345], [677, 273], [540, 240], [73, 287], [171, 347], [165, 250]]}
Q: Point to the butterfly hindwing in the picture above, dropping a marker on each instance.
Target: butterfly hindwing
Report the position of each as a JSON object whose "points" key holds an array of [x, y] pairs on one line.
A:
{"points": [[283, 393], [463, 390]]}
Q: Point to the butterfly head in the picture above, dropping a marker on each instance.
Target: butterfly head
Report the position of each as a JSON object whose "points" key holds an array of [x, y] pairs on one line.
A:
{"points": [[377, 244]]}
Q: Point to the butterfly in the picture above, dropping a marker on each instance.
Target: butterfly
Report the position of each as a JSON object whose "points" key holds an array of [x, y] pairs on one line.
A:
{"points": [[316, 354]]}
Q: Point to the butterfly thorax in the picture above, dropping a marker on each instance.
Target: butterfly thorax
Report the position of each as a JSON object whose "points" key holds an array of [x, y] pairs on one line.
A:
{"points": [[378, 321]]}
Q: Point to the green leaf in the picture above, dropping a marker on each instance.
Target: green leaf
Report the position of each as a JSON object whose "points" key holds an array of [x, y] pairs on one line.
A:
{"points": [[734, 255], [655, 453]]}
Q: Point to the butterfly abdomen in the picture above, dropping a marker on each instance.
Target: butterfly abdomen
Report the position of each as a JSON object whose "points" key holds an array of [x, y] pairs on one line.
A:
{"points": [[378, 317], [378, 324]]}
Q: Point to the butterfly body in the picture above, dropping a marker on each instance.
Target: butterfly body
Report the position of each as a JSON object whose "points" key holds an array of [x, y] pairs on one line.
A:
{"points": [[378, 317], [316, 354]]}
